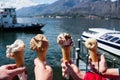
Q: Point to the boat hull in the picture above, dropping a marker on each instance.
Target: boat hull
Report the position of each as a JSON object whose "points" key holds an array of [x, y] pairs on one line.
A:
{"points": [[23, 27]]}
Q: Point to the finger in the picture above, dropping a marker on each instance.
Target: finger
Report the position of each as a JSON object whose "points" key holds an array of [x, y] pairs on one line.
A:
{"points": [[61, 60], [90, 61], [90, 58], [63, 64], [18, 70], [10, 66], [48, 68], [39, 63], [71, 62], [36, 61], [102, 57], [63, 74], [67, 64]]}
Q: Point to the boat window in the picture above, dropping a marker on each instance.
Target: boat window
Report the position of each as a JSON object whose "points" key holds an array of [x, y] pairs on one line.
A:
{"points": [[4, 15], [114, 39], [5, 10], [10, 15], [118, 41], [109, 37], [103, 36]]}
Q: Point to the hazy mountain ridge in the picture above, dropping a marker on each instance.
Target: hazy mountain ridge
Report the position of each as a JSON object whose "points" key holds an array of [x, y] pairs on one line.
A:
{"points": [[94, 7]]}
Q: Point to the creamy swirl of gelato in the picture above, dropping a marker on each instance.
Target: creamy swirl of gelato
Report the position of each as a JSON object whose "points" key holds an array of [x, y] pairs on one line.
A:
{"points": [[18, 45], [39, 42], [65, 39]]}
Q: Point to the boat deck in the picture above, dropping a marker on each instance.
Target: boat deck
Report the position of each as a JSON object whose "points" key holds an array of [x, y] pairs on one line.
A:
{"points": [[83, 66]]}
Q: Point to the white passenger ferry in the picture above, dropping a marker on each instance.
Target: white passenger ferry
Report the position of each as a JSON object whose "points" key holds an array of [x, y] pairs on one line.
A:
{"points": [[108, 40], [8, 21]]}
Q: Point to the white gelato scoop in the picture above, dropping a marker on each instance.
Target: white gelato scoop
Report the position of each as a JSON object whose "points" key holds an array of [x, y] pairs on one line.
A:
{"points": [[18, 45]]}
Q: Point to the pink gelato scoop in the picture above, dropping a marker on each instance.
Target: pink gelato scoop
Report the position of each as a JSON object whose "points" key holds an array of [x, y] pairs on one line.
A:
{"points": [[65, 39]]}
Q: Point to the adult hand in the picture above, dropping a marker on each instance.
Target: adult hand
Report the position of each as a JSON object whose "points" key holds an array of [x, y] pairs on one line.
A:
{"points": [[68, 68], [8, 72], [42, 71], [101, 67]]}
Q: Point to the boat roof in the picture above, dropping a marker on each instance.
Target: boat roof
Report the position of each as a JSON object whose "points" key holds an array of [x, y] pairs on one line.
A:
{"points": [[103, 30], [7, 8]]}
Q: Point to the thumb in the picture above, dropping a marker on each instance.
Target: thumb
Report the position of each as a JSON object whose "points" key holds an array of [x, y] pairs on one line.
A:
{"points": [[102, 57], [39, 63]]}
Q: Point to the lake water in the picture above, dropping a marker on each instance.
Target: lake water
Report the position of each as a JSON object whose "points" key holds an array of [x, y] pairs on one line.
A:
{"points": [[51, 30]]}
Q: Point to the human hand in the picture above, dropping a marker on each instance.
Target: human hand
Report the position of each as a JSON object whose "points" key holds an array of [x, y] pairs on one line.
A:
{"points": [[42, 71], [68, 68], [8, 72], [101, 67]]}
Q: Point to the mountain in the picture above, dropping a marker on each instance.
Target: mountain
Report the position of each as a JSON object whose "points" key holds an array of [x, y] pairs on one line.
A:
{"points": [[98, 7], [83, 7], [31, 11], [60, 6]]}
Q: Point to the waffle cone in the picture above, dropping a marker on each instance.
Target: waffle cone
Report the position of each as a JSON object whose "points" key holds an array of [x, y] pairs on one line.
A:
{"points": [[41, 55], [66, 53], [93, 55], [19, 58]]}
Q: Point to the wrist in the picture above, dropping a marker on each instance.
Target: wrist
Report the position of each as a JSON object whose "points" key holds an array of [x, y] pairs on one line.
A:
{"points": [[104, 72]]}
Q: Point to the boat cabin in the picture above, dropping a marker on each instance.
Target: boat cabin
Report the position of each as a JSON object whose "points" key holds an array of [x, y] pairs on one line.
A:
{"points": [[111, 37], [7, 16]]}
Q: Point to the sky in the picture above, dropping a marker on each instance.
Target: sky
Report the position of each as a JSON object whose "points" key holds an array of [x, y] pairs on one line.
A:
{"points": [[23, 3]]}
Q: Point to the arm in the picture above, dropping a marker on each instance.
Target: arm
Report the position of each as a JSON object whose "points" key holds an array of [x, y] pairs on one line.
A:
{"points": [[111, 73], [107, 72], [42, 71], [73, 70]]}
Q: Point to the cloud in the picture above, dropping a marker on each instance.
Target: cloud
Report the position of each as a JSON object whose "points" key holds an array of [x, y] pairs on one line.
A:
{"points": [[18, 3], [113, 0], [44, 1]]}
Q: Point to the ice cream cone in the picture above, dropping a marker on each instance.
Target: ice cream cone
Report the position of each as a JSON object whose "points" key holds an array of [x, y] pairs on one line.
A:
{"points": [[16, 51], [66, 53], [40, 44], [42, 56], [91, 44], [65, 41], [19, 58]]}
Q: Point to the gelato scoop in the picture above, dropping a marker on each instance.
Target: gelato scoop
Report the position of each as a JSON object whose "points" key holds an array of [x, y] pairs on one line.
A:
{"points": [[40, 44], [65, 39]]}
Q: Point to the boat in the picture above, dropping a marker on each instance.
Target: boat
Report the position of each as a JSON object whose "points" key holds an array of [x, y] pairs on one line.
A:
{"points": [[8, 21], [108, 40]]}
